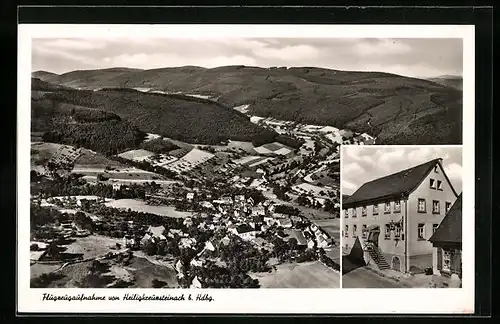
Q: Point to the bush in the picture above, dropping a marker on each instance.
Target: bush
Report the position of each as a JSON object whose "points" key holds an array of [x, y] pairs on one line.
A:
{"points": [[429, 271], [158, 283]]}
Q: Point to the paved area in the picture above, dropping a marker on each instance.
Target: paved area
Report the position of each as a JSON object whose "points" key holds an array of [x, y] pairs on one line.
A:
{"points": [[361, 277]]}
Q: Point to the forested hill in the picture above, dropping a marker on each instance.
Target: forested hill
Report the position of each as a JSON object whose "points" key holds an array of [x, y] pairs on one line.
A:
{"points": [[180, 117], [396, 109]]}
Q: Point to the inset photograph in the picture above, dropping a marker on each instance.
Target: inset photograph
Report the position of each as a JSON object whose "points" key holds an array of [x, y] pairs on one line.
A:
{"points": [[401, 216]]}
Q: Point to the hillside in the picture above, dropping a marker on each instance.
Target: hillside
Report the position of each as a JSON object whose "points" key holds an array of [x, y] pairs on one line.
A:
{"points": [[449, 81], [188, 119], [396, 109]]}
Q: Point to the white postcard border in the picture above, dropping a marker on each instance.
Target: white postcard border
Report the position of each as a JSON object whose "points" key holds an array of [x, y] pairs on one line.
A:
{"points": [[272, 301]]}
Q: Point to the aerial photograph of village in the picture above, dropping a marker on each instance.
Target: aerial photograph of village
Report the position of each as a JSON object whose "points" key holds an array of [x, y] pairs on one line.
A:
{"points": [[402, 217], [215, 163]]}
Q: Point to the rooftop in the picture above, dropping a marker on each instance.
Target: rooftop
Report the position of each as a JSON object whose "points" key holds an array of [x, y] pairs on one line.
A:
{"points": [[450, 229], [391, 186]]}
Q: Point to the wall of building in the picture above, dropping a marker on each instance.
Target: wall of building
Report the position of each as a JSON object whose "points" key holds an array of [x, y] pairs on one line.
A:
{"points": [[418, 246], [390, 245]]}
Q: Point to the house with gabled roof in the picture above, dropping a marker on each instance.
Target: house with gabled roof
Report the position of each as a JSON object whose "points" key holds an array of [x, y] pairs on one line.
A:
{"points": [[447, 242], [393, 217]]}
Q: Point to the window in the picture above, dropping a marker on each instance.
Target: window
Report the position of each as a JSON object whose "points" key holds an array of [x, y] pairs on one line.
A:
{"points": [[346, 231], [421, 232], [421, 205], [363, 211], [446, 260], [375, 209], [435, 207], [354, 229], [397, 206], [387, 207], [436, 169], [354, 213], [434, 227], [364, 232], [346, 213], [432, 184], [387, 231], [448, 206], [397, 232], [440, 185]]}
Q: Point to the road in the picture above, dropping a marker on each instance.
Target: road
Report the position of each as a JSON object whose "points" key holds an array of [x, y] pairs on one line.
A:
{"points": [[364, 278]]}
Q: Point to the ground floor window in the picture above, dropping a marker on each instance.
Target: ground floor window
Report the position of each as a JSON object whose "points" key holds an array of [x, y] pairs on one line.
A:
{"points": [[446, 260]]}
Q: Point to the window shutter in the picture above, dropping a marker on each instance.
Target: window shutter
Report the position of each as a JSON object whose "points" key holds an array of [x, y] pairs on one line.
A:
{"points": [[439, 259]]}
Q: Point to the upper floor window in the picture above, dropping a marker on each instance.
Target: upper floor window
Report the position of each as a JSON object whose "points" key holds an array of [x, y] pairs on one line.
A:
{"points": [[354, 212], [387, 207], [364, 232], [434, 227], [432, 183], [435, 207], [375, 209], [421, 205], [354, 229], [397, 232], [363, 211], [397, 206], [440, 185], [420, 231], [448, 205], [387, 234], [346, 214], [346, 231]]}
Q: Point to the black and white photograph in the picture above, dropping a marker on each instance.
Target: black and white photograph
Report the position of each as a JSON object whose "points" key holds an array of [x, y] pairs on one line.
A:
{"points": [[226, 162], [402, 217]]}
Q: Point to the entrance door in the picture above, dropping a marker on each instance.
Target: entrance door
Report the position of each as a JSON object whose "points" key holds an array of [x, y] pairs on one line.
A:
{"points": [[373, 235]]}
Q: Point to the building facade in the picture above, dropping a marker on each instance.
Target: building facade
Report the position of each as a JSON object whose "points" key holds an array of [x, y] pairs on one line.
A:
{"points": [[393, 217], [447, 242]]}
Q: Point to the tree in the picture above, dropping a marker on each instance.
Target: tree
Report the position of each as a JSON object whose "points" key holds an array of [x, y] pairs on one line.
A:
{"points": [[293, 244]]}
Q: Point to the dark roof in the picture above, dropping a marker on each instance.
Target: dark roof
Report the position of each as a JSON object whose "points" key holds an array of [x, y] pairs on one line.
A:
{"points": [[450, 229], [244, 228], [391, 186]]}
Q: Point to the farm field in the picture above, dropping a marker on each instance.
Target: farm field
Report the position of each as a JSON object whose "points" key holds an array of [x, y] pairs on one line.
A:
{"points": [[330, 226], [42, 153], [93, 246], [299, 275], [121, 173], [145, 271], [189, 161], [136, 155], [89, 158], [141, 206], [37, 269]]}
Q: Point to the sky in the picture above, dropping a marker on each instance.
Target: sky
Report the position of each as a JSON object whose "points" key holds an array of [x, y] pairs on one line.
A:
{"points": [[361, 164], [414, 57]]}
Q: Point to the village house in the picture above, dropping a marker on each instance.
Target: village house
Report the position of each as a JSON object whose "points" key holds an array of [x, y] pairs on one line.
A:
{"points": [[188, 221], [244, 231], [190, 196], [196, 283], [128, 241], [447, 242], [187, 242], [284, 222], [153, 233], [394, 216], [258, 211]]}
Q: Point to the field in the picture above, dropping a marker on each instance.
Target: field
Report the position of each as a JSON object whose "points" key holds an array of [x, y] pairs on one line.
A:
{"points": [[189, 161], [121, 174], [299, 275], [141, 206], [274, 148], [136, 155], [93, 246], [316, 191], [91, 158], [42, 153]]}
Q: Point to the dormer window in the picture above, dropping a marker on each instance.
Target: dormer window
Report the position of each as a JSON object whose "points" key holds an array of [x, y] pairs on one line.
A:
{"points": [[397, 206], [387, 207]]}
